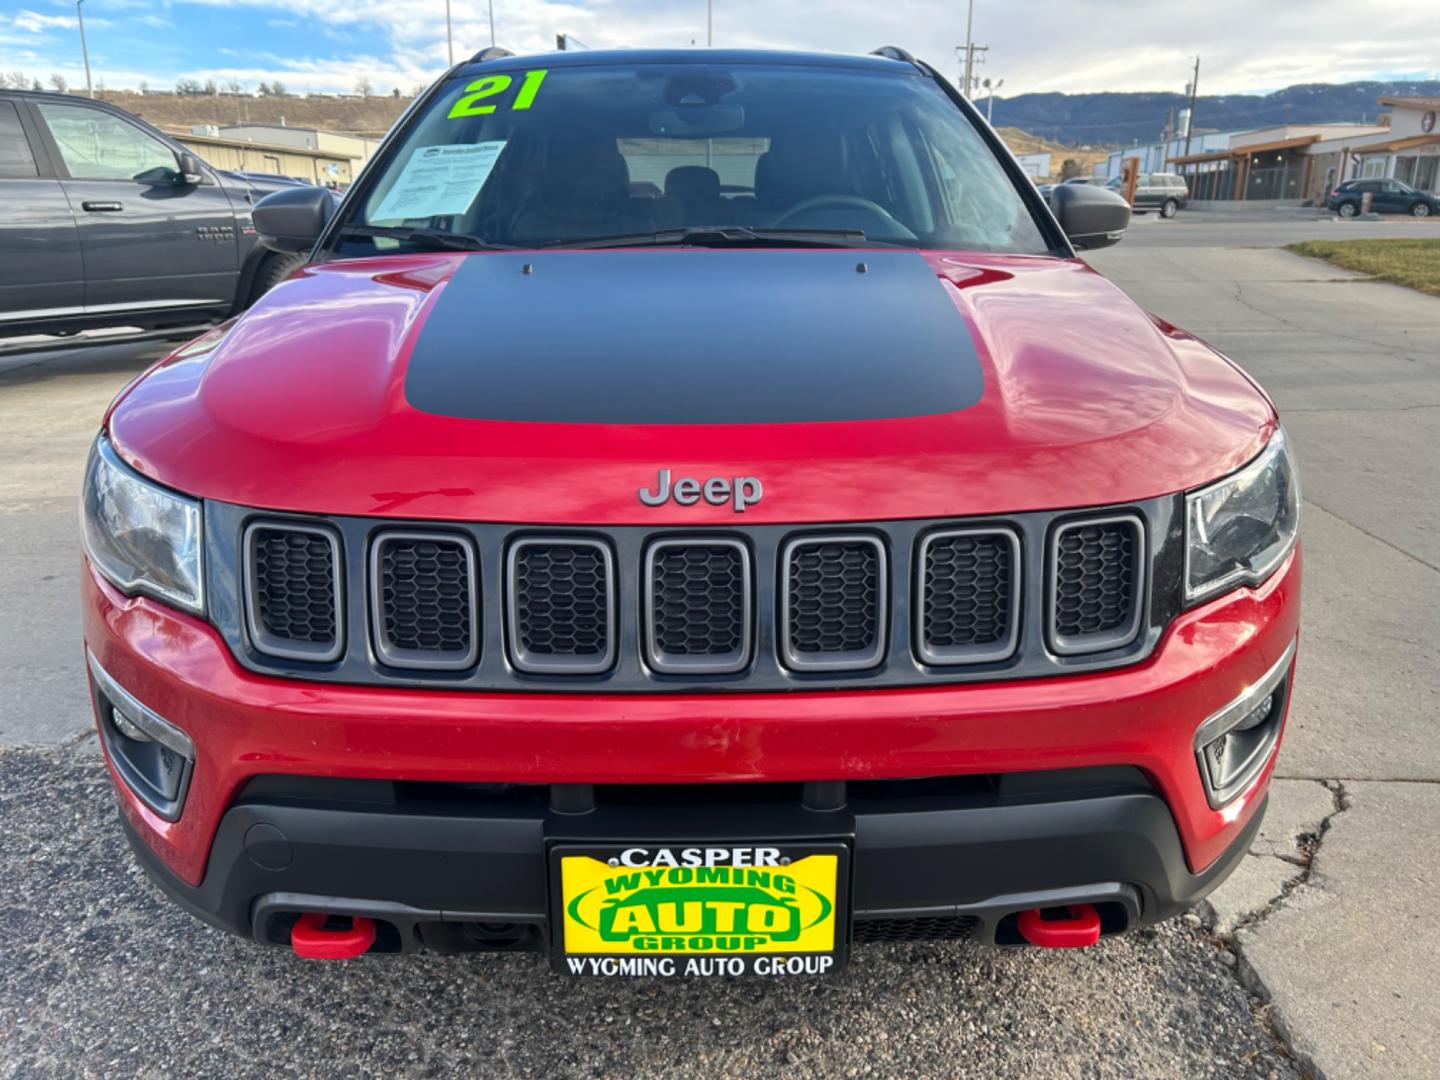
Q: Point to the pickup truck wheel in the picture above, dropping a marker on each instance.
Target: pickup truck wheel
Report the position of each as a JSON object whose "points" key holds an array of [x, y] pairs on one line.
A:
{"points": [[1168, 208], [273, 269], [1420, 209]]}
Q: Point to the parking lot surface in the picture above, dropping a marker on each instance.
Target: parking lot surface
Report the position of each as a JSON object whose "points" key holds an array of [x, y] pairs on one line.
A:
{"points": [[1316, 957]]}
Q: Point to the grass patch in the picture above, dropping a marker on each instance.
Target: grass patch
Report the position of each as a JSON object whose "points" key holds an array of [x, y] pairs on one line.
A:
{"points": [[1413, 263]]}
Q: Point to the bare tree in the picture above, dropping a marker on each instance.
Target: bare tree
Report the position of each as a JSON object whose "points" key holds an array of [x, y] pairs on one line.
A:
{"points": [[234, 86], [263, 89], [277, 89], [16, 79], [364, 87], [211, 89], [144, 87], [58, 82], [35, 85]]}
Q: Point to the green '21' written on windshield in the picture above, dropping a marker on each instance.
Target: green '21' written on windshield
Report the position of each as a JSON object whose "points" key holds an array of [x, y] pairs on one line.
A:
{"points": [[492, 86]]}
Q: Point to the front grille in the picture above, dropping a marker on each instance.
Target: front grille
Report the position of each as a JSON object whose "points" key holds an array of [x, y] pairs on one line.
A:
{"points": [[924, 928], [294, 603], [561, 617], [1097, 584], [697, 606], [741, 606], [425, 604], [968, 603], [833, 603]]}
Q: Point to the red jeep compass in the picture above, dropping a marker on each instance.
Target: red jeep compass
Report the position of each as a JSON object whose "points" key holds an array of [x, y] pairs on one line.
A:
{"points": [[693, 513]]}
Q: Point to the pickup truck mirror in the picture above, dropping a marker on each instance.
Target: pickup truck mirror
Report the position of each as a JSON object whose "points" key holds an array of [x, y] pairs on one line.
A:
{"points": [[1091, 217], [189, 169], [292, 220]]}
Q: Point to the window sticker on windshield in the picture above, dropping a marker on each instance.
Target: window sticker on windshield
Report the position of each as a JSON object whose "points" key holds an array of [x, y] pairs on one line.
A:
{"points": [[492, 85], [439, 180]]}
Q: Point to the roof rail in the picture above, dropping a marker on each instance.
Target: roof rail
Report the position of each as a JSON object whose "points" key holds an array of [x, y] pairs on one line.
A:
{"points": [[894, 52], [494, 52]]}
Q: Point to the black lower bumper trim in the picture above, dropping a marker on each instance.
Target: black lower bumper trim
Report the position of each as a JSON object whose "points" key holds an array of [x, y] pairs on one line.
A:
{"points": [[457, 875]]}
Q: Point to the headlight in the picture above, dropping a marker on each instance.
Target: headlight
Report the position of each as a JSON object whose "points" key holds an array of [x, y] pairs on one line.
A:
{"points": [[139, 535], [1239, 529]]}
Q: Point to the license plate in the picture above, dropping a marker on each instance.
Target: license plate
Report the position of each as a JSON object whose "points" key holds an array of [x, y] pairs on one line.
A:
{"points": [[700, 909]]}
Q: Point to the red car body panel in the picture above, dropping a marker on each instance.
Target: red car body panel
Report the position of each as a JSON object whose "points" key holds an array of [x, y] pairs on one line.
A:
{"points": [[246, 725], [301, 406]]}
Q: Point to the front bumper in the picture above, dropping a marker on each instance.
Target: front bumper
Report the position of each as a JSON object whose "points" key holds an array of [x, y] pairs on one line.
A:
{"points": [[1158, 842], [454, 869]]}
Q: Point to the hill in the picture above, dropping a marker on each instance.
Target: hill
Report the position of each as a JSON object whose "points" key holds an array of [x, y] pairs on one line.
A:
{"points": [[1022, 142], [1121, 119], [370, 115]]}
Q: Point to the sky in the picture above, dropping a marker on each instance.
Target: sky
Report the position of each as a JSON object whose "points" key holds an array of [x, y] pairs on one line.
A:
{"points": [[1034, 45]]}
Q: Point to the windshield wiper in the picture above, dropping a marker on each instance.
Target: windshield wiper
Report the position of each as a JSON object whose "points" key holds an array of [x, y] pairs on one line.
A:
{"points": [[725, 236], [433, 237]]}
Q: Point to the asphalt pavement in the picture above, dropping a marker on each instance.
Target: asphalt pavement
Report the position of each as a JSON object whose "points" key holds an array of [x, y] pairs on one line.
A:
{"points": [[1314, 958]]}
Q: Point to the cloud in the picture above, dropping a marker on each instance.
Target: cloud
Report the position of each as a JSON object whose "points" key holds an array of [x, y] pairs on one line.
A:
{"points": [[1081, 45]]}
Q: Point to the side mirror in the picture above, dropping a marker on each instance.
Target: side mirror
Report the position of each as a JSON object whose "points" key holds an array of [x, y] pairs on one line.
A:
{"points": [[1091, 217], [292, 219], [190, 170]]}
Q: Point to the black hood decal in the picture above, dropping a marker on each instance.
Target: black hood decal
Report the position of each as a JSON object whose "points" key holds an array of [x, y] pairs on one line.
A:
{"points": [[693, 337]]}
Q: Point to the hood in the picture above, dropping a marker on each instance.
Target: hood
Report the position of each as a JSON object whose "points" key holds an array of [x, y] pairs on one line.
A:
{"points": [[552, 387]]}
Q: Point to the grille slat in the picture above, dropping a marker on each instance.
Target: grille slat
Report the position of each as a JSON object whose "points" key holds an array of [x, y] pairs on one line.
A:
{"points": [[561, 606], [833, 603], [1097, 584], [968, 603], [425, 600], [697, 606], [923, 928], [294, 603]]}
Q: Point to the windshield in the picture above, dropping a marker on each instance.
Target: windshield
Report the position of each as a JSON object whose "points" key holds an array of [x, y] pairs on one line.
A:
{"points": [[531, 157]]}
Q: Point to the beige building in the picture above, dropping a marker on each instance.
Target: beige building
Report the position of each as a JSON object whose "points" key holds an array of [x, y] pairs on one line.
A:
{"points": [[312, 165]]}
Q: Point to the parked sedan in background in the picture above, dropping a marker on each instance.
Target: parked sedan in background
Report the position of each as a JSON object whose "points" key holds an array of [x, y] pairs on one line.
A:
{"points": [[1386, 197]]}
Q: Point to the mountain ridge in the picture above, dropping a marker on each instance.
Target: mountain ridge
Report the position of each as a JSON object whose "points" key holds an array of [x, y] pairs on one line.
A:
{"points": [[1119, 119]]}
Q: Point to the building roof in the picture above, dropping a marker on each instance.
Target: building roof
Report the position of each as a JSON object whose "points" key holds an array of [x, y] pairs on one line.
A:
{"points": [[1246, 151], [1390, 146], [1412, 102], [188, 137]]}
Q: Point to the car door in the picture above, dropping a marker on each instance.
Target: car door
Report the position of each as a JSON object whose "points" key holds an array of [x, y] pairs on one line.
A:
{"points": [[40, 271], [149, 239]]}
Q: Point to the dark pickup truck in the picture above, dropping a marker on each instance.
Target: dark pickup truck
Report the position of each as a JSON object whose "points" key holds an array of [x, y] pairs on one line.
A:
{"points": [[107, 221]]}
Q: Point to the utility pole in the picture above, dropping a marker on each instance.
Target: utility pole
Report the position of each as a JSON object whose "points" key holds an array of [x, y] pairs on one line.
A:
{"points": [[709, 23], [1190, 117], [492, 23], [449, 34], [84, 51], [969, 48]]}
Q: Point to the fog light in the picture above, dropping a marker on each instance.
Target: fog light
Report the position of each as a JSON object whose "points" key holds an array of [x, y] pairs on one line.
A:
{"points": [[1233, 745], [127, 726], [153, 757]]}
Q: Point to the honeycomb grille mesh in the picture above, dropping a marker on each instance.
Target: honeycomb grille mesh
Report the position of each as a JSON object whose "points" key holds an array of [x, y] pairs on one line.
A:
{"points": [[1095, 579], [951, 927], [562, 600], [425, 595], [698, 595], [968, 591], [294, 587], [833, 599]]}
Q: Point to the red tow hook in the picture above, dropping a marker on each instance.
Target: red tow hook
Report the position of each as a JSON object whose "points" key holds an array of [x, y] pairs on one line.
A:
{"points": [[311, 941], [1077, 927]]}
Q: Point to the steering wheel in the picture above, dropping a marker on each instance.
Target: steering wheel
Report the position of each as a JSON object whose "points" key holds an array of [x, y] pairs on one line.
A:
{"points": [[858, 202]]}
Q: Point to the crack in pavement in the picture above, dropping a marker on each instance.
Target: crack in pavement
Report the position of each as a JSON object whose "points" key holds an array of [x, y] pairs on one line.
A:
{"points": [[1378, 539], [1307, 847], [1319, 329]]}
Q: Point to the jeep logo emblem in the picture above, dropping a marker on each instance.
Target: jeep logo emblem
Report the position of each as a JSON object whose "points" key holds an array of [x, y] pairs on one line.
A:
{"points": [[741, 492]]}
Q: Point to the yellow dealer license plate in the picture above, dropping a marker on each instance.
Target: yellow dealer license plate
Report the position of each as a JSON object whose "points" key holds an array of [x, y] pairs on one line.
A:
{"points": [[700, 909]]}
